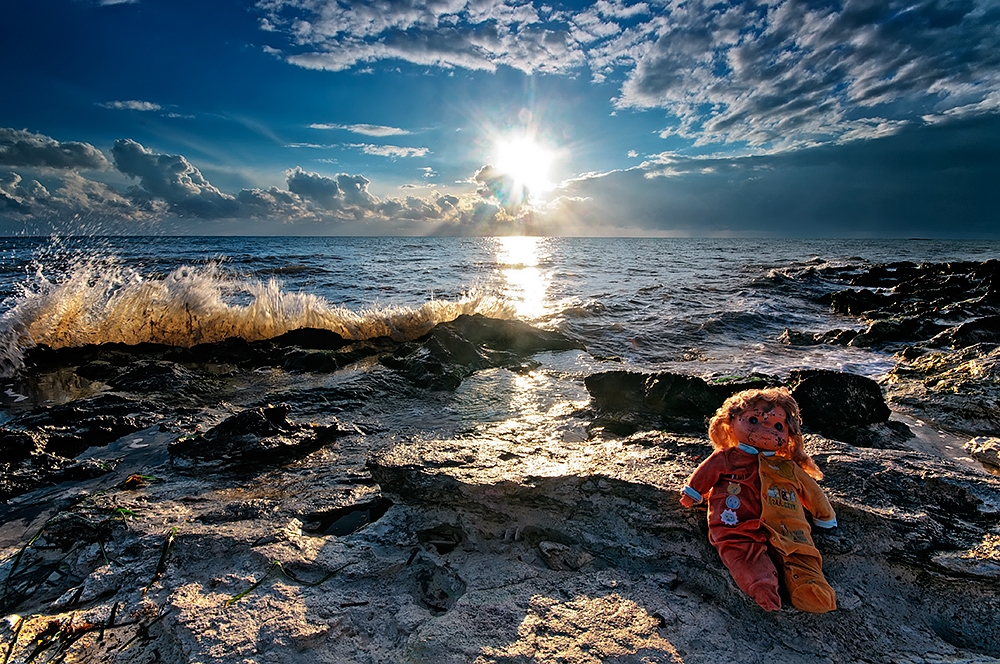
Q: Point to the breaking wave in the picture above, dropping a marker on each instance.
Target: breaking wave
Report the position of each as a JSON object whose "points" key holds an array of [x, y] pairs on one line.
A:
{"points": [[101, 301]]}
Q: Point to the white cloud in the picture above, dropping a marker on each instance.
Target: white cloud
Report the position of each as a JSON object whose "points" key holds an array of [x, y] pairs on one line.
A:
{"points": [[777, 73], [790, 73], [173, 179], [364, 129], [132, 105], [169, 186], [469, 34], [392, 151], [347, 197], [74, 197]]}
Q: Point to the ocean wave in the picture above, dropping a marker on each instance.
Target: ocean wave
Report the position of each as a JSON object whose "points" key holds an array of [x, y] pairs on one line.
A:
{"points": [[101, 301], [294, 269]]}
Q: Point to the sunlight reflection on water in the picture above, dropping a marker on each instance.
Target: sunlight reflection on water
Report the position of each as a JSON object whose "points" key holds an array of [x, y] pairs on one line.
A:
{"points": [[527, 284]]}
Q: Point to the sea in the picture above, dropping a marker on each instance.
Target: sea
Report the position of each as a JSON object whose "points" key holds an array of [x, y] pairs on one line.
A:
{"points": [[696, 306]]}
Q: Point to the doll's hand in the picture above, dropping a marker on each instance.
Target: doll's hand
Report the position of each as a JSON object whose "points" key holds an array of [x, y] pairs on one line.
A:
{"points": [[686, 500]]}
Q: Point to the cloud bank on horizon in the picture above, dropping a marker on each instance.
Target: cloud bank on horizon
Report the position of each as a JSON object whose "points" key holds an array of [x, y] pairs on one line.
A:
{"points": [[859, 117]]}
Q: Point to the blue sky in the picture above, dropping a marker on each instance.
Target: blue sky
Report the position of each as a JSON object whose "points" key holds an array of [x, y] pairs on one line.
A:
{"points": [[455, 117]]}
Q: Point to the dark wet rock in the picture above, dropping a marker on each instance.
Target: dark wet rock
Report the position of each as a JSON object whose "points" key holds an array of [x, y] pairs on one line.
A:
{"points": [[884, 275], [45, 469], [836, 337], [881, 435], [981, 330], [40, 446], [19, 445], [846, 407], [958, 389], [72, 427], [449, 353], [674, 401], [159, 376], [798, 338], [250, 439], [453, 351], [68, 529], [327, 361], [897, 329], [941, 304], [43, 357], [843, 406], [311, 338], [99, 370], [311, 360], [234, 350], [858, 302]]}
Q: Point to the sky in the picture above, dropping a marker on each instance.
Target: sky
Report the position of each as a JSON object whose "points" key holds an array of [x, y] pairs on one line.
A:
{"points": [[776, 118]]}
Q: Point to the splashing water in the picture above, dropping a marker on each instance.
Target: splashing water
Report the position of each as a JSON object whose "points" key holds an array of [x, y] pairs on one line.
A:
{"points": [[101, 301]]}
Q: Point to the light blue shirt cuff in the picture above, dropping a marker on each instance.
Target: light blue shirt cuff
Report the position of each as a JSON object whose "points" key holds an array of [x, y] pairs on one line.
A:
{"points": [[692, 494], [832, 523]]}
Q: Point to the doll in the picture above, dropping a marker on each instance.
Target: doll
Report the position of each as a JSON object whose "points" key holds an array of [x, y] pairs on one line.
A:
{"points": [[758, 483]]}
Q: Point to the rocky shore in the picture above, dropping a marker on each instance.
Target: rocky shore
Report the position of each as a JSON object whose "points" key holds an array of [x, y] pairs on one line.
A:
{"points": [[172, 512]]}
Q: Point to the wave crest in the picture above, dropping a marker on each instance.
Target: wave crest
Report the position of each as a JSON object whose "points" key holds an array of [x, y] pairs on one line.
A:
{"points": [[100, 301]]}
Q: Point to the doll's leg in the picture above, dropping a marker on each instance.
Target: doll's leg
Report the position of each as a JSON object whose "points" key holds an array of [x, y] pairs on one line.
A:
{"points": [[752, 570], [806, 584]]}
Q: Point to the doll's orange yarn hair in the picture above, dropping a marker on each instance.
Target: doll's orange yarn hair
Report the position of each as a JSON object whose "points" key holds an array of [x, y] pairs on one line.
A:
{"points": [[720, 428]]}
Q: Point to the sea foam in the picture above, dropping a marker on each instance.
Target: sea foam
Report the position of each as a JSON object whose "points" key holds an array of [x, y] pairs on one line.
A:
{"points": [[99, 301]]}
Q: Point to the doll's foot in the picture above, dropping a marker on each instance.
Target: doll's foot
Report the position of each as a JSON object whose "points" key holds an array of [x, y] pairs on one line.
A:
{"points": [[814, 597], [767, 597]]}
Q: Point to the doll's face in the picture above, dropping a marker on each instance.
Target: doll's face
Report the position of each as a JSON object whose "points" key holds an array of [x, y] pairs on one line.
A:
{"points": [[762, 426]]}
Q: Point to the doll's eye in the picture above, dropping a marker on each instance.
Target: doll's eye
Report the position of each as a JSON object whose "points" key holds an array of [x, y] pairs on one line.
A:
{"points": [[753, 420], [777, 426]]}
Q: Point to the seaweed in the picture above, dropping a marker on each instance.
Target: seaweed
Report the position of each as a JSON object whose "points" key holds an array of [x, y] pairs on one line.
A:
{"points": [[277, 567]]}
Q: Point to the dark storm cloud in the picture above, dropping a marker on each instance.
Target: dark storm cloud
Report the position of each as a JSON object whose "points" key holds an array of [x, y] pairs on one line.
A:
{"points": [[779, 73], [937, 181], [23, 148]]}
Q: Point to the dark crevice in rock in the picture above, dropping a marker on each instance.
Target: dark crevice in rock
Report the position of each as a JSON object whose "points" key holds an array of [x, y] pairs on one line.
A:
{"points": [[346, 520]]}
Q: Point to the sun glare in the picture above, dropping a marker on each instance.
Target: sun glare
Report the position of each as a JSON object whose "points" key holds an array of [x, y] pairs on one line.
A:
{"points": [[526, 162]]}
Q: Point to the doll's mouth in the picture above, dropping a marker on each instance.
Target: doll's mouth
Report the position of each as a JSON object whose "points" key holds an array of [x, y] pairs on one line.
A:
{"points": [[765, 438]]}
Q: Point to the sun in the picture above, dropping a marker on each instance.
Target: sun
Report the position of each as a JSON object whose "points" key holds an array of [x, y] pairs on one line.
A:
{"points": [[526, 162]]}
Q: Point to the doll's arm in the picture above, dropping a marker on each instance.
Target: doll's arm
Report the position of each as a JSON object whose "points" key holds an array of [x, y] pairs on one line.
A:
{"points": [[690, 497], [815, 500], [702, 480]]}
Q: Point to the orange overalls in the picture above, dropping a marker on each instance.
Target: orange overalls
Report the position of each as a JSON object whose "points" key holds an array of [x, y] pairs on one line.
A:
{"points": [[756, 510]]}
